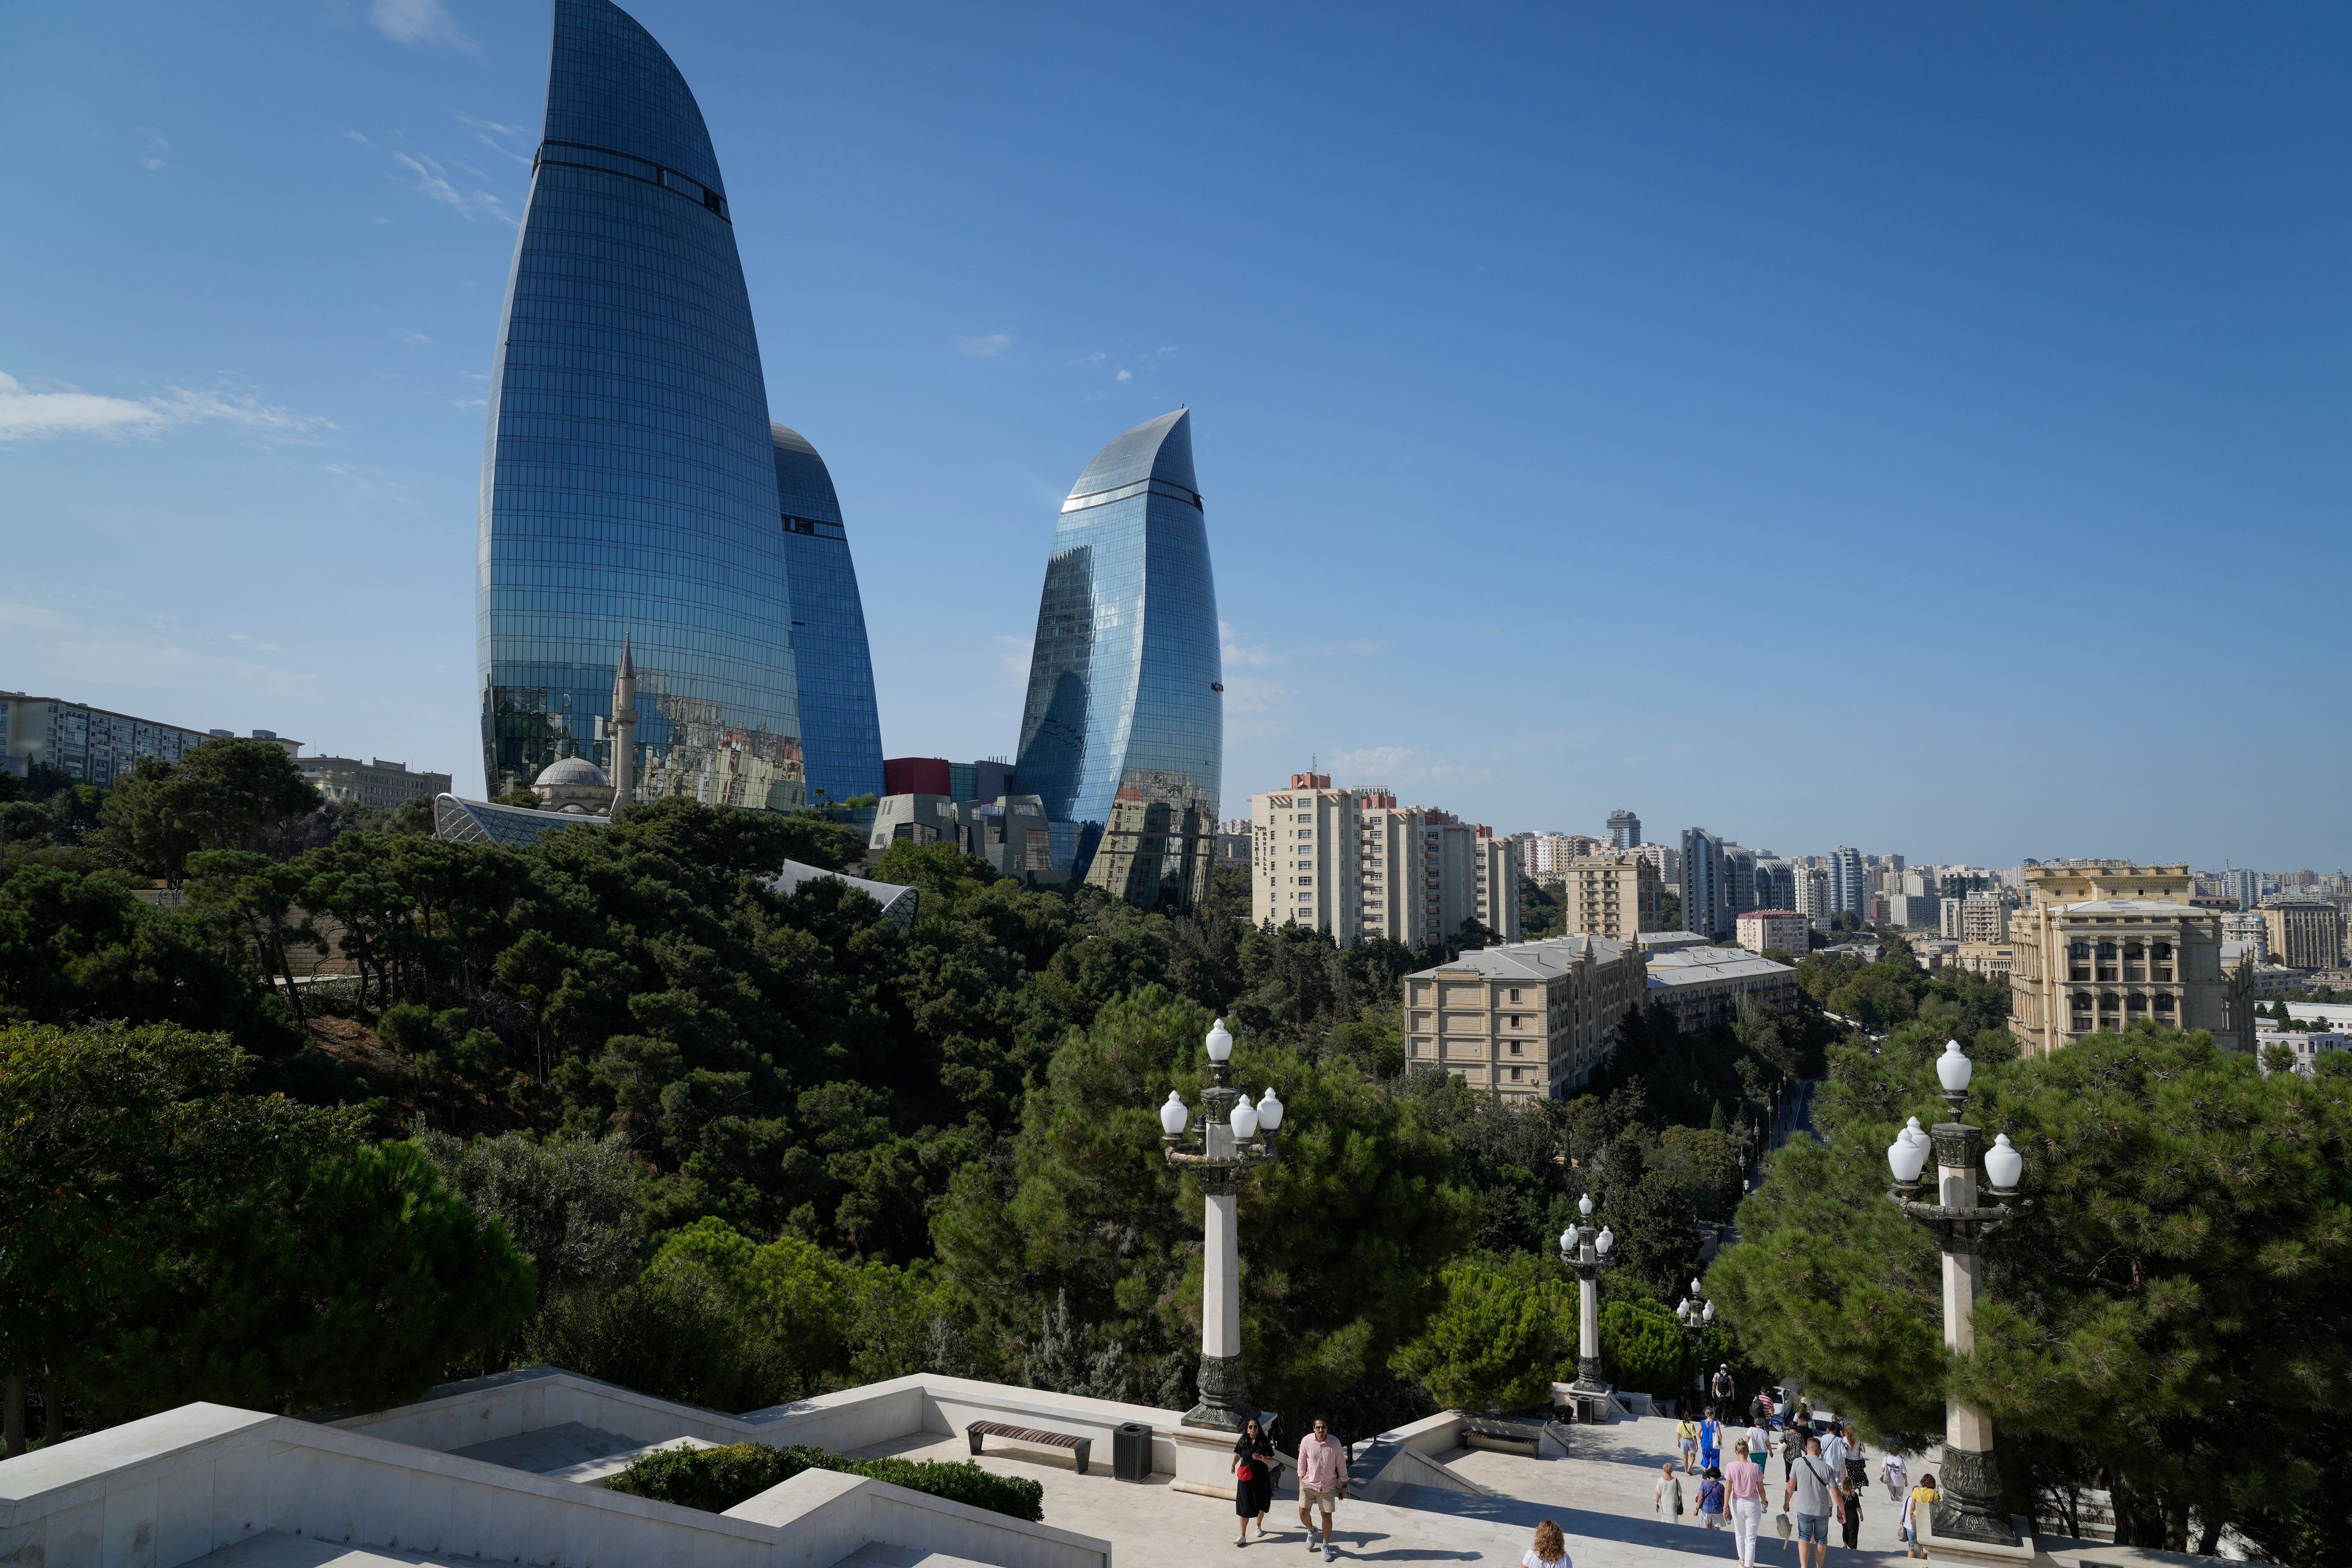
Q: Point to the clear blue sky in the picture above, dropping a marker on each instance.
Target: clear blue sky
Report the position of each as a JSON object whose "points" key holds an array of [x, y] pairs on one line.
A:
{"points": [[1922, 427]]}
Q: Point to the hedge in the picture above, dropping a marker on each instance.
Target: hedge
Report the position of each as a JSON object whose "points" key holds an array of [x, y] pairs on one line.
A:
{"points": [[716, 1480]]}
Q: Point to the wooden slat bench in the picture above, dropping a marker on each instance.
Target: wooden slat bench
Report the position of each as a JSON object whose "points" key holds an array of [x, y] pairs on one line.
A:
{"points": [[1079, 1446]]}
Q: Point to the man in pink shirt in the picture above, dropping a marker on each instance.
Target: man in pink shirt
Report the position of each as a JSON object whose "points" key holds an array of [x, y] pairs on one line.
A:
{"points": [[1743, 1483], [1322, 1483]]}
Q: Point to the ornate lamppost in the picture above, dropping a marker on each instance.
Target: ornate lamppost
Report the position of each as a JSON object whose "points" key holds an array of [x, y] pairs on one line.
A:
{"points": [[1696, 1315], [1234, 1136], [1969, 1506], [1586, 1250]]}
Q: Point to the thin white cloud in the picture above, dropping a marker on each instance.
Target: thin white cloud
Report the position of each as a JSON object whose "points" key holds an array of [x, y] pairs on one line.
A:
{"points": [[1013, 656], [429, 178], [500, 138], [358, 137], [1238, 651], [110, 658], [158, 145], [28, 415], [421, 22], [1401, 765], [989, 345], [1124, 375], [1250, 694], [410, 335]]}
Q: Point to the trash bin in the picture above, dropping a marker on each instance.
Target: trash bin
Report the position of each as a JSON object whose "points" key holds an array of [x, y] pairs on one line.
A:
{"points": [[1131, 1451]]}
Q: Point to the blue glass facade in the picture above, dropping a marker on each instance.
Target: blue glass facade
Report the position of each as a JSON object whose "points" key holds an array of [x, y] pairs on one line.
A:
{"points": [[1125, 680], [841, 736], [629, 479]]}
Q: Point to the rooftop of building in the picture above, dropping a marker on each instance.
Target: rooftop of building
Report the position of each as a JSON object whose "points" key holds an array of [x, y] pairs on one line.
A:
{"points": [[2133, 907], [1698, 965], [1775, 914], [1546, 959]]}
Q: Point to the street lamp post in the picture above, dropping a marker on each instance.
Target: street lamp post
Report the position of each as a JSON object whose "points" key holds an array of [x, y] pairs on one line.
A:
{"points": [[1586, 1250], [1969, 1506], [1696, 1315], [1234, 1137]]}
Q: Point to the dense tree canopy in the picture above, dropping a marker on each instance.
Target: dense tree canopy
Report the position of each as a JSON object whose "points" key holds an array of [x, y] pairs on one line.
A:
{"points": [[2180, 1285]]}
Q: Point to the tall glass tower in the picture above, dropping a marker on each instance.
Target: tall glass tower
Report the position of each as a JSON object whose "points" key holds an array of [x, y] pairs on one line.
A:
{"points": [[841, 736], [1125, 704], [628, 479]]}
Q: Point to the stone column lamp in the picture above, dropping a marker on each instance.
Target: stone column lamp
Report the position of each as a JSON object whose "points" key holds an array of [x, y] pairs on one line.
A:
{"points": [[1968, 1508], [1234, 1137]]}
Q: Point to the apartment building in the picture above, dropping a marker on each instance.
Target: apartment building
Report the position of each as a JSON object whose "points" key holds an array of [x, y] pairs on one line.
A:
{"points": [[2304, 934], [1987, 958], [95, 745], [1358, 865], [2104, 944], [1612, 892], [1525, 1020], [1761, 930], [1305, 860], [1701, 985], [376, 784], [1812, 898]]}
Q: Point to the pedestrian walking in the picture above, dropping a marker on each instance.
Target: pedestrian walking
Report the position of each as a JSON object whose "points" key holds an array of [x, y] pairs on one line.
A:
{"points": [[1814, 1490], [1668, 1503], [1710, 1441], [1254, 1468], [1921, 1502], [1723, 1388], [1857, 1481], [1322, 1483], [1896, 1472], [1793, 1447], [1686, 1442], [1834, 1449], [1710, 1499], [1743, 1483], [1550, 1549]]}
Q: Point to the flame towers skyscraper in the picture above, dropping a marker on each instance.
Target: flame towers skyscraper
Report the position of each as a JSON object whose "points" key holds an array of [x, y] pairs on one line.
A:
{"points": [[1123, 731], [629, 482]]}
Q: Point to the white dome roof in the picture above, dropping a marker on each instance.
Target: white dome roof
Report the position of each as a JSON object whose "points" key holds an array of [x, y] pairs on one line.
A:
{"points": [[571, 771]]}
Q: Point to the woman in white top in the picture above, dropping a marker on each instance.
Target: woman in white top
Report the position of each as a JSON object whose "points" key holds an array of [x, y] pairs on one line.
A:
{"points": [[1668, 1498], [1896, 1474], [1550, 1550]]}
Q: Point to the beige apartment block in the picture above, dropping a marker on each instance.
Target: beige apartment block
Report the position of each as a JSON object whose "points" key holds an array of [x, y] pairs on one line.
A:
{"points": [[1496, 867], [1761, 930], [375, 784], [1303, 859], [1529, 1020], [1612, 892], [1993, 958], [2104, 944], [1702, 984], [2304, 934], [1399, 896], [1984, 917]]}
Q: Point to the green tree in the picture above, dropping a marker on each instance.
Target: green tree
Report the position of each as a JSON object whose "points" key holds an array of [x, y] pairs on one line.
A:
{"points": [[177, 1238], [1503, 1330], [2181, 1279], [252, 901], [225, 794]]}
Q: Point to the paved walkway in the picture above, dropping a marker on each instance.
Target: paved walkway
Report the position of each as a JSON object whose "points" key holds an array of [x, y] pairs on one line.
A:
{"points": [[1600, 1496]]}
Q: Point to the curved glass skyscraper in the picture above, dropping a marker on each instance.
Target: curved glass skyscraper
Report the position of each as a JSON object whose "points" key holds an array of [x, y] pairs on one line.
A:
{"points": [[628, 475], [840, 737], [1123, 732]]}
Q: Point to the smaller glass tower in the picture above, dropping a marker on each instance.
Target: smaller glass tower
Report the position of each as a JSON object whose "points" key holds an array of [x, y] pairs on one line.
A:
{"points": [[841, 734]]}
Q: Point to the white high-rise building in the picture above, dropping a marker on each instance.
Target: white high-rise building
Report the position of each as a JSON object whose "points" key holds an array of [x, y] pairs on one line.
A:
{"points": [[1847, 889], [1303, 859]]}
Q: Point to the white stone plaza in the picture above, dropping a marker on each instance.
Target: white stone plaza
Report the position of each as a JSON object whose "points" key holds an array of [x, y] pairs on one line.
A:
{"points": [[508, 1469]]}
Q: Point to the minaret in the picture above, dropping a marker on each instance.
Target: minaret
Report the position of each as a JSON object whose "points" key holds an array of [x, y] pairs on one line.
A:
{"points": [[623, 729]]}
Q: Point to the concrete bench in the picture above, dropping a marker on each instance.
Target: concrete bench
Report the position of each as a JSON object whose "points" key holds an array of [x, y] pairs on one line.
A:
{"points": [[1502, 1437], [1079, 1446]]}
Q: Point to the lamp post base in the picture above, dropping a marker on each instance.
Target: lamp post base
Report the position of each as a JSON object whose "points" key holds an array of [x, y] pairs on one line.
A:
{"points": [[1588, 1375], [1969, 1508], [1221, 1407]]}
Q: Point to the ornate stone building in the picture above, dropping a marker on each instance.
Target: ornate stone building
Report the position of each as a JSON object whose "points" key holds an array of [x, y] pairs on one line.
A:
{"points": [[2104, 944]]}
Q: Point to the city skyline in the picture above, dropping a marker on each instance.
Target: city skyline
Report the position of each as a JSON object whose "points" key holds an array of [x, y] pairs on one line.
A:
{"points": [[1982, 349]]}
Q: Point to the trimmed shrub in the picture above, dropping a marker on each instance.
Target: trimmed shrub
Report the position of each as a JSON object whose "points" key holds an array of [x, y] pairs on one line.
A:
{"points": [[716, 1480]]}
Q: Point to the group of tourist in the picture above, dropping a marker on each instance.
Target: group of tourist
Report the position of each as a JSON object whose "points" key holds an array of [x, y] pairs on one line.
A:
{"points": [[1822, 1479]]}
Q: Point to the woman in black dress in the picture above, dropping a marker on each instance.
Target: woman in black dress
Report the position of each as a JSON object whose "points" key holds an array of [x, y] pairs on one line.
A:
{"points": [[1253, 1477]]}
